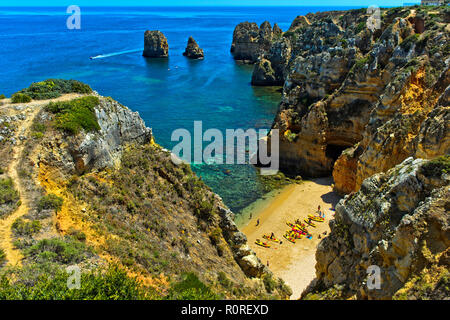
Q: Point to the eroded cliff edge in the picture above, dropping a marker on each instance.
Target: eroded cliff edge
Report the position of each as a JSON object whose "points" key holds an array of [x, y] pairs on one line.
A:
{"points": [[399, 222], [371, 107], [91, 188], [358, 101]]}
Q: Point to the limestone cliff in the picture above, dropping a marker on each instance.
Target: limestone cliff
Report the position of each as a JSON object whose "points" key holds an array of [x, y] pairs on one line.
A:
{"points": [[193, 51], [399, 222], [249, 40], [155, 45]]}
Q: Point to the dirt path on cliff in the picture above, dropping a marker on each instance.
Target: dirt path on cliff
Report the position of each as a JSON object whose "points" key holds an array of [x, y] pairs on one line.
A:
{"points": [[13, 255], [294, 263]]}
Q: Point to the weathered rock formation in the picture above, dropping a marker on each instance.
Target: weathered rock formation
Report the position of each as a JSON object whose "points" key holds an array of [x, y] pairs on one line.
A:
{"points": [[193, 51], [119, 126], [264, 75], [249, 41], [399, 221], [155, 45], [123, 201], [378, 94]]}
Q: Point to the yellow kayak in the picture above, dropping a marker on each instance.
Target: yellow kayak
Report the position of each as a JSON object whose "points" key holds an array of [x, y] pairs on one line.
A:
{"points": [[262, 244], [296, 235], [271, 239], [310, 223], [296, 226], [316, 218], [289, 238]]}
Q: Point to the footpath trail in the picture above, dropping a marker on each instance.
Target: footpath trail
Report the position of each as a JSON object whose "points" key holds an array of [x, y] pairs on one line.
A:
{"points": [[294, 263], [13, 255]]}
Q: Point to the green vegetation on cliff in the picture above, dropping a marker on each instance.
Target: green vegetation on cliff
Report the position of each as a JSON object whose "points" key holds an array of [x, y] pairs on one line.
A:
{"points": [[22, 227], [9, 196], [2, 257], [20, 98], [53, 88], [50, 283], [437, 167], [74, 115], [50, 202]]}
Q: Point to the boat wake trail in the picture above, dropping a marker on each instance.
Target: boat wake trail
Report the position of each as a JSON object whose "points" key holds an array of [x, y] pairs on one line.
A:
{"points": [[212, 78], [102, 56]]}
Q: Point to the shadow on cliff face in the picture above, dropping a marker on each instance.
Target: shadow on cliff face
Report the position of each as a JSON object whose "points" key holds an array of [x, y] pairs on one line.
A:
{"points": [[332, 198]]}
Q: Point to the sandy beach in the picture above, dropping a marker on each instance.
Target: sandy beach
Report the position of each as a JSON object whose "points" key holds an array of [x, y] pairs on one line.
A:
{"points": [[294, 263]]}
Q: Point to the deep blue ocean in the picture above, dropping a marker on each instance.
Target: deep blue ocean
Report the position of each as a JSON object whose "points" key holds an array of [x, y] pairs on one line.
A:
{"points": [[35, 45]]}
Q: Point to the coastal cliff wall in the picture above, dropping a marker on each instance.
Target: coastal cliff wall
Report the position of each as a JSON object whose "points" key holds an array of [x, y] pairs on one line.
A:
{"points": [[398, 221], [249, 40], [371, 107], [358, 101]]}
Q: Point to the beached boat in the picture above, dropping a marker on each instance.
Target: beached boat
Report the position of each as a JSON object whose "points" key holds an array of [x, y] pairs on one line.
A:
{"points": [[262, 244], [289, 238], [271, 239], [316, 218], [310, 223]]}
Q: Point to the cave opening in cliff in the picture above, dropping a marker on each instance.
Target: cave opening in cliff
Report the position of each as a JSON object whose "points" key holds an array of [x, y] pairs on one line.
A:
{"points": [[333, 151]]}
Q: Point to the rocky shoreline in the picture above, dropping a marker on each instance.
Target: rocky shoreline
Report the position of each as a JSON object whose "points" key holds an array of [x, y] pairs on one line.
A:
{"points": [[362, 103], [350, 94]]}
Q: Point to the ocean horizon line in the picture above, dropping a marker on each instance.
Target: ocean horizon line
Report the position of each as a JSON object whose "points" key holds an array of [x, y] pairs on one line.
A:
{"points": [[204, 6]]}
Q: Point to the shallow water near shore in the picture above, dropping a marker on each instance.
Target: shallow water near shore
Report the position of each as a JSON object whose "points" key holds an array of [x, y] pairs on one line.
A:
{"points": [[294, 263], [168, 93], [251, 213]]}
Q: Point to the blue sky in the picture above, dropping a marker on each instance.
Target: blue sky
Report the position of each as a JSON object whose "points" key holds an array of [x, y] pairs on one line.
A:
{"points": [[201, 2]]}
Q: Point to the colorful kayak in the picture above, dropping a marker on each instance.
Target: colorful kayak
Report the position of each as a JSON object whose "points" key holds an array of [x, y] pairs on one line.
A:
{"points": [[296, 226], [299, 231], [316, 218], [271, 239], [262, 244], [288, 238], [296, 235], [290, 224], [310, 223]]}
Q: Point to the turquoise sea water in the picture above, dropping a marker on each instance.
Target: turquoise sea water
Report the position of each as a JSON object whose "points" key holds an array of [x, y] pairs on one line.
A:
{"points": [[168, 93]]}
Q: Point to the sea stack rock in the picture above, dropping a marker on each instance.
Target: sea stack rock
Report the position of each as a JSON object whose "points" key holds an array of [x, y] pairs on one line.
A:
{"points": [[155, 45], [193, 51]]}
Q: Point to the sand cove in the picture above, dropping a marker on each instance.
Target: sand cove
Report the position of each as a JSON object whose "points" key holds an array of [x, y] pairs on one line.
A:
{"points": [[294, 263]]}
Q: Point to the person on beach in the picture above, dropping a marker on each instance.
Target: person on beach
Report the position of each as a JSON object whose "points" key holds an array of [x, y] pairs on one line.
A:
{"points": [[257, 222], [272, 236], [321, 214]]}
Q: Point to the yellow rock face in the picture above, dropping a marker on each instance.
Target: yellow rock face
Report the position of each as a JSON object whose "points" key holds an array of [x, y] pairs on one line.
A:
{"points": [[344, 174]]}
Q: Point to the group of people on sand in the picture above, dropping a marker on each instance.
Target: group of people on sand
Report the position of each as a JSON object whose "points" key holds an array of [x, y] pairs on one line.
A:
{"points": [[297, 221], [319, 213]]}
